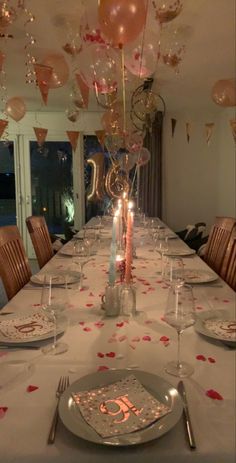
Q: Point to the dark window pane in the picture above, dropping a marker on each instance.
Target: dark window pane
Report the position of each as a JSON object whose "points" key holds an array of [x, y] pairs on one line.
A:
{"points": [[7, 184]]}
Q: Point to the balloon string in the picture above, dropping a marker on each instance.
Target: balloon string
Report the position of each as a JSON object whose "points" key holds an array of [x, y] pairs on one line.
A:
{"points": [[143, 38], [135, 174], [123, 88]]}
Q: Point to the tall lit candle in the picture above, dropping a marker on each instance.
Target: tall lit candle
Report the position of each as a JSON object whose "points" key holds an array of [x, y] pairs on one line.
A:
{"points": [[129, 246], [120, 225], [112, 264]]}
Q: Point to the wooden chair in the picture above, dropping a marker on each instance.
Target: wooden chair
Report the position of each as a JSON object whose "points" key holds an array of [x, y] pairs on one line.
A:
{"points": [[15, 270], [228, 271], [40, 238], [218, 241]]}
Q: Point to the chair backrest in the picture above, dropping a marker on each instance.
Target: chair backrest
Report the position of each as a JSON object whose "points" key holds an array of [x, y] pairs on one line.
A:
{"points": [[218, 241], [15, 270], [40, 237], [228, 271]]}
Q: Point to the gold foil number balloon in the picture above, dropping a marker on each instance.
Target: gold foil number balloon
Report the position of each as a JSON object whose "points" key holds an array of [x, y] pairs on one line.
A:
{"points": [[117, 182], [96, 192]]}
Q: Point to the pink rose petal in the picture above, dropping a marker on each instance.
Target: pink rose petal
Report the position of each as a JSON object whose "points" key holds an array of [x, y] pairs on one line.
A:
{"points": [[211, 360], [164, 338], [100, 354], [81, 323], [122, 338], [102, 368], [110, 354], [87, 329], [31, 388], [214, 394], [146, 338], [99, 324], [119, 325], [3, 411], [89, 305], [201, 357]]}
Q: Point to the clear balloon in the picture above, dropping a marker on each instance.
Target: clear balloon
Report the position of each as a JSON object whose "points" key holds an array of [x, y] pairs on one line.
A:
{"points": [[134, 141], [60, 74], [224, 92], [15, 108], [173, 47], [167, 10], [114, 142], [90, 31], [97, 67], [143, 157], [141, 56], [72, 114], [127, 161], [7, 15], [112, 119], [121, 21]]}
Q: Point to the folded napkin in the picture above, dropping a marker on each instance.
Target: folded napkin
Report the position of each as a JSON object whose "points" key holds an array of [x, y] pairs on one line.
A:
{"points": [[223, 328], [119, 408], [26, 326]]}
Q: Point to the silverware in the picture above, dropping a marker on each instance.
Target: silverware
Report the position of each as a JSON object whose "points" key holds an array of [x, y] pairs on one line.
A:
{"points": [[25, 346], [182, 392], [62, 385]]}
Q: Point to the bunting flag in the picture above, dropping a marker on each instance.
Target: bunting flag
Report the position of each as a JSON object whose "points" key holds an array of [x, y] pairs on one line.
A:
{"points": [[73, 136], [100, 134], [173, 125], [3, 125], [40, 135], [188, 130], [209, 129], [233, 128], [84, 89], [43, 76]]}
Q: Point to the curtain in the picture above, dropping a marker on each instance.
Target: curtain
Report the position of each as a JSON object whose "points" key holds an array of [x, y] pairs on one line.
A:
{"points": [[150, 178]]}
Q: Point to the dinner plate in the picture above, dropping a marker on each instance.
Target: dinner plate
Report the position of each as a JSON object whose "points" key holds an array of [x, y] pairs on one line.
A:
{"points": [[9, 341], [214, 315], [180, 252], [195, 276], [155, 385], [59, 278]]}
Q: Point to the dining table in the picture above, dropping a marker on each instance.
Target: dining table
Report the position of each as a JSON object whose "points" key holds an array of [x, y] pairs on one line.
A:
{"points": [[99, 345]]}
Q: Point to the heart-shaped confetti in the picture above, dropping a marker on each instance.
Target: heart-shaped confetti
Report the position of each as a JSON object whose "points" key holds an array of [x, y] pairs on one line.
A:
{"points": [[214, 394], [89, 305], [146, 338], [31, 388], [119, 325], [3, 411], [100, 354], [87, 329], [110, 354], [201, 357], [211, 360], [164, 339], [102, 368]]}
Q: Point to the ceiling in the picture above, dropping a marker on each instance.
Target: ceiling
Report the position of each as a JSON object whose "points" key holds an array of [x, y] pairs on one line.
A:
{"points": [[209, 36]]}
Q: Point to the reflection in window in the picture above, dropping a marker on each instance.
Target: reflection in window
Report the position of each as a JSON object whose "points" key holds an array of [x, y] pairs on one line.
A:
{"points": [[7, 184], [52, 184]]}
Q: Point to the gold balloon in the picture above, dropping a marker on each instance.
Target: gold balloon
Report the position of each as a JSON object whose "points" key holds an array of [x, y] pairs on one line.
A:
{"points": [[117, 182], [96, 192]]}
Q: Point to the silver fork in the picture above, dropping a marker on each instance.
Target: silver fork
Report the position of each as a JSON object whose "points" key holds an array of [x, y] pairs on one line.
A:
{"points": [[62, 385]]}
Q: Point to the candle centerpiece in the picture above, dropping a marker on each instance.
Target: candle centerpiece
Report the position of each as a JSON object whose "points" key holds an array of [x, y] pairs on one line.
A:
{"points": [[128, 294]]}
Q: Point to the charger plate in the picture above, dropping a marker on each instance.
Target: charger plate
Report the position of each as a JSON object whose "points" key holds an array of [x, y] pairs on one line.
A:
{"points": [[195, 276], [214, 315], [155, 385], [59, 277]]}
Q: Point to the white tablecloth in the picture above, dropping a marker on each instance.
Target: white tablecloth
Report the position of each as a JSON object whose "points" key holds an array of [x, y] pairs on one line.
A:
{"points": [[96, 343]]}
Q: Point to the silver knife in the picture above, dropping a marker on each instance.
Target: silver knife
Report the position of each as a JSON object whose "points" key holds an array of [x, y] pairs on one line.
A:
{"points": [[182, 391]]}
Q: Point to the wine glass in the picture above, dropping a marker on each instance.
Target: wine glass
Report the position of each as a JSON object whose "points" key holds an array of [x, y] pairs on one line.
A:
{"points": [[161, 245], [80, 258], [173, 270], [180, 314], [54, 302], [89, 239]]}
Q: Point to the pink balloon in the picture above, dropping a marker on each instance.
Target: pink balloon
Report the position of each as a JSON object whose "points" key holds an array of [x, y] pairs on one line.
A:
{"points": [[121, 21], [143, 157], [97, 67], [134, 141], [224, 92], [112, 119], [15, 108], [60, 74]]}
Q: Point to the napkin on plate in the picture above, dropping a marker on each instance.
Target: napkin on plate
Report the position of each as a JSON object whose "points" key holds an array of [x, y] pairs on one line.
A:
{"points": [[222, 328], [26, 326], [119, 408]]}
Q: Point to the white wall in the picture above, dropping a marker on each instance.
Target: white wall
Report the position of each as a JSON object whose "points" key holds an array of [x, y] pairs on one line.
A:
{"points": [[198, 180]]}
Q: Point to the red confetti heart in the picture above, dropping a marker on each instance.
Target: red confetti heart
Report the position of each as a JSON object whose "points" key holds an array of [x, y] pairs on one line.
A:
{"points": [[36, 305], [87, 329], [81, 323], [102, 368], [31, 388], [100, 354], [211, 360], [3, 411], [199, 307], [89, 305], [225, 300], [119, 325], [91, 294], [146, 338], [214, 394], [164, 339], [144, 292], [110, 354], [201, 357], [99, 324]]}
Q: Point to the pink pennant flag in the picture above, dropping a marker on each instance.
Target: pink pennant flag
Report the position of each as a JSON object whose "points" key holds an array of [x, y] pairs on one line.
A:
{"points": [[43, 76], [84, 89], [3, 125], [40, 135], [73, 136], [209, 129]]}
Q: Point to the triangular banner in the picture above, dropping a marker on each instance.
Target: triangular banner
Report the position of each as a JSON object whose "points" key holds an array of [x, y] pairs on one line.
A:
{"points": [[40, 135], [100, 134], [43, 76], [233, 127], [209, 129], [173, 125], [73, 136], [3, 125], [84, 89], [188, 130]]}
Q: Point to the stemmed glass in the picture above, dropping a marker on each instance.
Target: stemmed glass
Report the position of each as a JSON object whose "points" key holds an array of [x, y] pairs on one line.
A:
{"points": [[54, 302], [80, 258], [180, 314], [161, 246], [173, 271]]}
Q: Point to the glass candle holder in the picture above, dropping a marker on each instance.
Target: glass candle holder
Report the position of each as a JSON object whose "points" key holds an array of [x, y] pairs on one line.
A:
{"points": [[128, 300]]}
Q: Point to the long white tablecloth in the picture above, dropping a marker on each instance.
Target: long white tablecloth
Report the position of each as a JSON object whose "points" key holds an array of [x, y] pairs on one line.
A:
{"points": [[146, 343]]}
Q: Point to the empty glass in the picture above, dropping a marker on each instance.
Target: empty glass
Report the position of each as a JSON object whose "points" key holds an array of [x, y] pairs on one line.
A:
{"points": [[180, 314], [173, 270], [80, 258], [54, 302], [161, 245]]}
